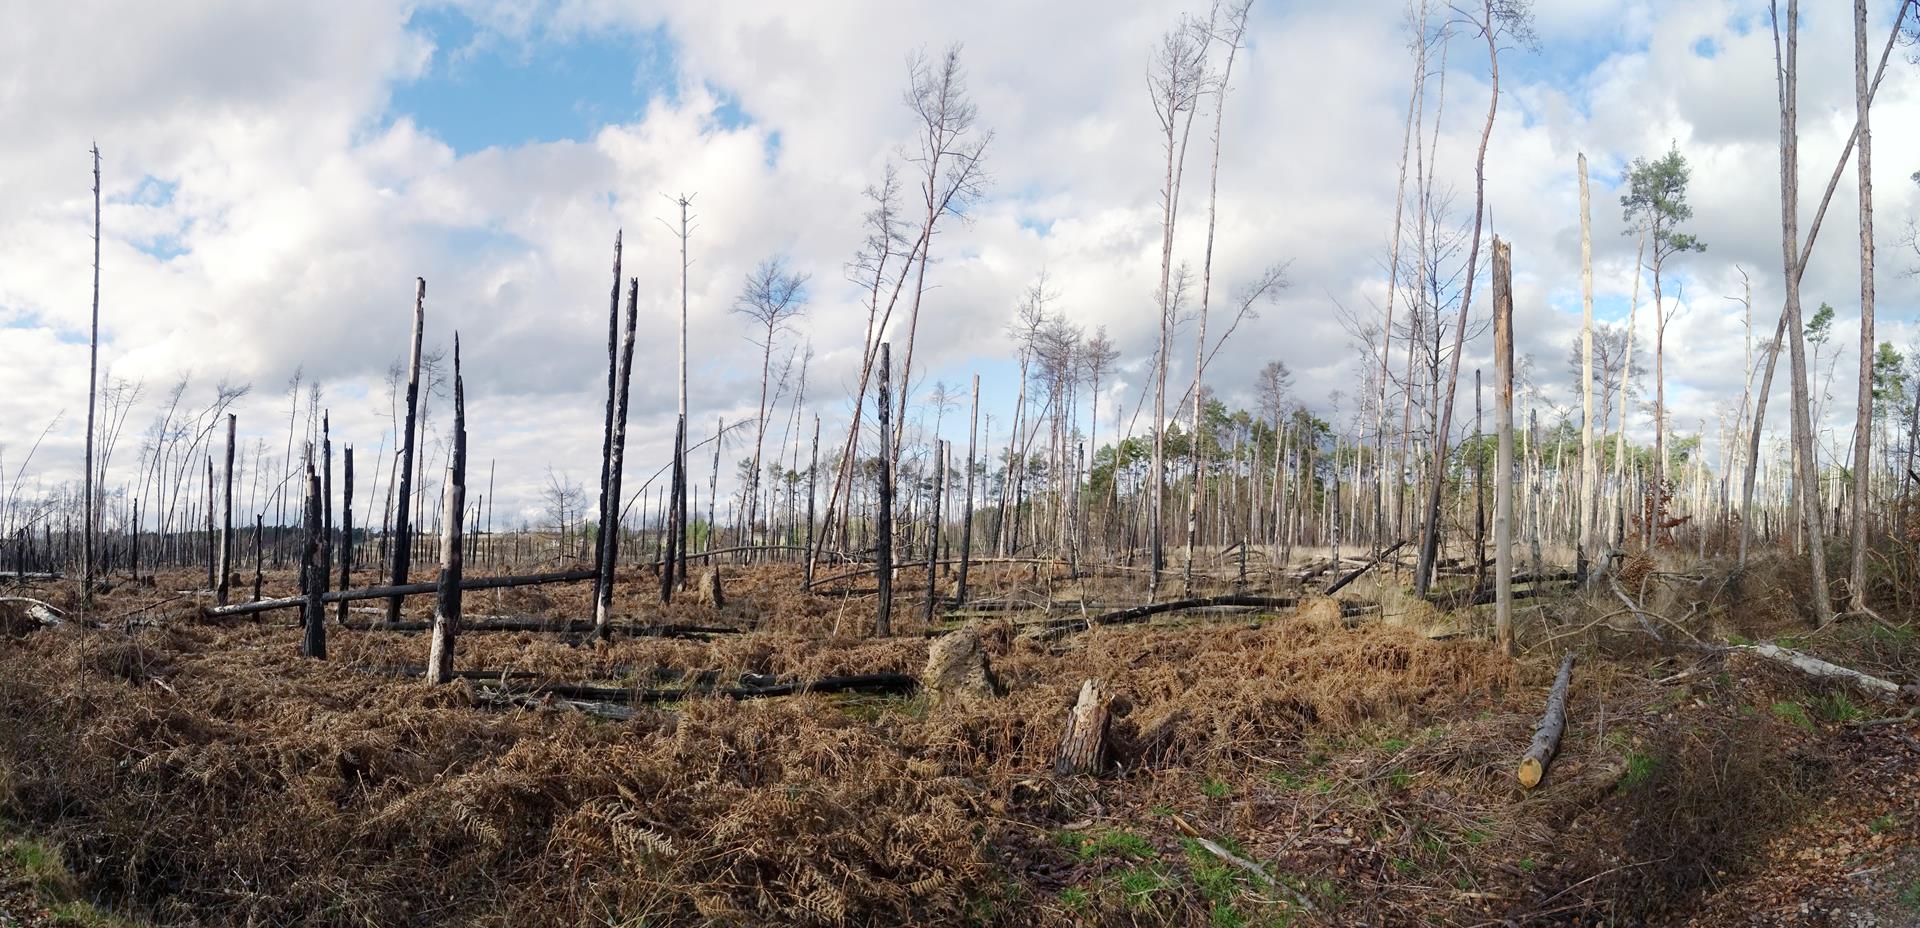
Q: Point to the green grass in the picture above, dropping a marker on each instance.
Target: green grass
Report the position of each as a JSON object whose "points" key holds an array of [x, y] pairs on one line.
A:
{"points": [[1837, 708], [1883, 824], [1394, 745], [1640, 769], [40, 863], [1075, 898], [1910, 897], [1115, 843], [1216, 789], [1793, 712]]}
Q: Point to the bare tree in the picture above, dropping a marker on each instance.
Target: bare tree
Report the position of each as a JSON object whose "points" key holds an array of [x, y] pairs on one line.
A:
{"points": [[1493, 21], [951, 157], [93, 371], [772, 297]]}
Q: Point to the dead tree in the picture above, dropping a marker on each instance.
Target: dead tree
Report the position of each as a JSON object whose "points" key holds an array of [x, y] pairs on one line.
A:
{"points": [[1503, 423], [93, 385], [226, 523], [883, 547], [313, 580], [609, 503], [772, 297], [446, 614], [1498, 18], [1589, 465], [1863, 427], [966, 511], [1553, 724], [402, 548], [617, 456], [933, 525], [1083, 746], [346, 526]]}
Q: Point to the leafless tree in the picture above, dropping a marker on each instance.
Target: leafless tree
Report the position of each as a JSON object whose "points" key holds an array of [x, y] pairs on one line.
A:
{"points": [[772, 297]]}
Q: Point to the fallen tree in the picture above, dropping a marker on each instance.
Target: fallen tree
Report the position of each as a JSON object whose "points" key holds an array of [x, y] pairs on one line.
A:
{"points": [[405, 589], [877, 683]]}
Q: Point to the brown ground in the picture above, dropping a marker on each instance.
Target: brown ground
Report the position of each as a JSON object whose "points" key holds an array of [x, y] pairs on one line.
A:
{"points": [[198, 772]]}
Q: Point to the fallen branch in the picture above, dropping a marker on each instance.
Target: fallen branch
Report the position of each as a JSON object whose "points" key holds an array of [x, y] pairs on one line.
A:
{"points": [[559, 626], [1336, 585], [1259, 873], [44, 613], [1546, 738]]}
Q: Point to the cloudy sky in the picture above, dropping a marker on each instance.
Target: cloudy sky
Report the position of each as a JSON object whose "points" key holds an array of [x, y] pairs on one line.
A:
{"points": [[276, 176]]}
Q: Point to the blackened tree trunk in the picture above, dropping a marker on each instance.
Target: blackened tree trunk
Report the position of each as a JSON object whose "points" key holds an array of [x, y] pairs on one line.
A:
{"points": [[610, 523], [883, 547], [402, 548], [609, 503], [346, 526], [313, 580], [966, 508], [226, 523]]}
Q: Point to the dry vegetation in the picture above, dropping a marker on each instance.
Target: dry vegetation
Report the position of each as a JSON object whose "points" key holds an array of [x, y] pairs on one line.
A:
{"points": [[193, 772]]}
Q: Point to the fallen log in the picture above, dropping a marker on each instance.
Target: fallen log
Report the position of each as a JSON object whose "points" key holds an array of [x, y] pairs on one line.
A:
{"points": [[45, 614], [879, 683], [1336, 585], [1062, 627], [1546, 738], [406, 589], [1083, 746], [1885, 690], [564, 626]]}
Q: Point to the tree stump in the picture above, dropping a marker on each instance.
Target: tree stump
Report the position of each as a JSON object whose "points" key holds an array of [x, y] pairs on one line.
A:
{"points": [[1083, 747], [712, 591], [957, 668]]}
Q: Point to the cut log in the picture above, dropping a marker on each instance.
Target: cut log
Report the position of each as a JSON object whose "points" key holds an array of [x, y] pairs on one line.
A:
{"points": [[1546, 738], [1083, 747], [957, 668]]}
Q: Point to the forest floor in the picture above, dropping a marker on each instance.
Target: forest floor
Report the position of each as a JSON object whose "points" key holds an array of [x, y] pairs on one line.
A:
{"points": [[1354, 771]]}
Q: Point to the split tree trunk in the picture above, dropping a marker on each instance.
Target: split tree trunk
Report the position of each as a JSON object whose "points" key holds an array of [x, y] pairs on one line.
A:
{"points": [[1083, 747], [446, 614], [402, 535]]}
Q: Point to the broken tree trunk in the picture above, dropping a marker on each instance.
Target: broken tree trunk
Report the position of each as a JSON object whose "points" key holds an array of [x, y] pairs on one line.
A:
{"points": [[408, 589], [314, 643], [1083, 747], [1808, 664], [402, 537], [616, 464], [1065, 627], [446, 615], [1546, 738], [346, 527], [957, 668]]}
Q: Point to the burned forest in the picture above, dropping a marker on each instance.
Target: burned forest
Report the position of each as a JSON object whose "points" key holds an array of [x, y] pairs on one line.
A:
{"points": [[1399, 464]]}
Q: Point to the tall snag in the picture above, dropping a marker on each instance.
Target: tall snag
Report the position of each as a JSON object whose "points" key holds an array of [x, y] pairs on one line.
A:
{"points": [[446, 613], [402, 525]]}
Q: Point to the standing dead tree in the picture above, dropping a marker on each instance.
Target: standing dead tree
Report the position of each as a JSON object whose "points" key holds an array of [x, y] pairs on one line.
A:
{"points": [[609, 501], [1495, 20], [616, 457], [93, 385], [772, 298], [402, 534], [226, 522], [952, 161], [883, 546], [446, 613]]}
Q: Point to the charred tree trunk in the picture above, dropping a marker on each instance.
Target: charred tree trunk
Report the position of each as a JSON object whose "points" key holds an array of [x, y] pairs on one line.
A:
{"points": [[616, 465], [402, 534], [226, 523], [313, 580], [883, 546], [346, 526]]}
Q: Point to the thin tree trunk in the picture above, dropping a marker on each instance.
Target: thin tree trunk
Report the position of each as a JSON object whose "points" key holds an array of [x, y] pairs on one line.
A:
{"points": [[1589, 466], [446, 613], [402, 534], [966, 517], [346, 526], [1503, 423], [883, 548], [609, 501], [1863, 421], [93, 384], [226, 523]]}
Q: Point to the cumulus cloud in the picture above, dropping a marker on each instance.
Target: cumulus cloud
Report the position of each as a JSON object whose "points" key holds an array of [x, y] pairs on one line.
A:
{"points": [[268, 204]]}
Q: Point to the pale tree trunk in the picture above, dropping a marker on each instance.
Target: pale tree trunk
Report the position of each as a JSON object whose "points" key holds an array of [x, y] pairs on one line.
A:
{"points": [[1430, 545], [1407, 141], [1626, 383], [446, 613], [1863, 422], [1589, 466], [1806, 477], [93, 383]]}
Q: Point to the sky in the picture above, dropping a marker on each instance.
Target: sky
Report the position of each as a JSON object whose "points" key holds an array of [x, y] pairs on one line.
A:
{"points": [[275, 177]]}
